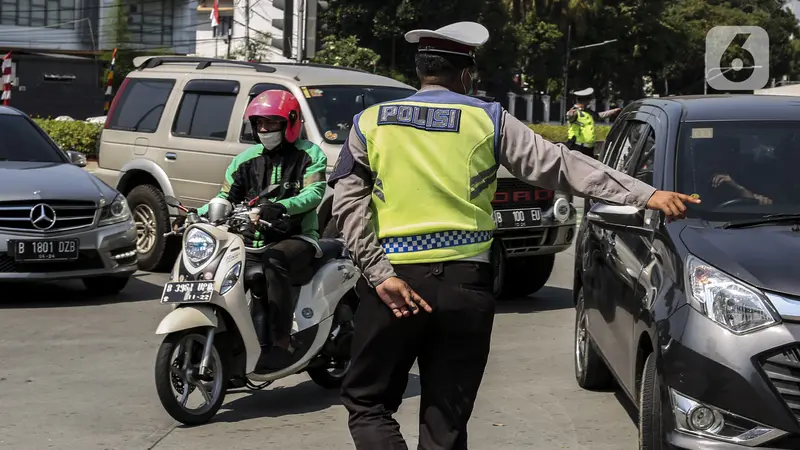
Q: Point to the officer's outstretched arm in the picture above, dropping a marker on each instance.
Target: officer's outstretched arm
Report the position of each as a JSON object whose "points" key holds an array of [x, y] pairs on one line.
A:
{"points": [[536, 161], [352, 193]]}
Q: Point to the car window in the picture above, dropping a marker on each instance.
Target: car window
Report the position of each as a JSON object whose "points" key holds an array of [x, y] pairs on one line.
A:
{"points": [[204, 115], [333, 107], [611, 140], [141, 104], [246, 135], [627, 145], [740, 169], [643, 170], [22, 141]]}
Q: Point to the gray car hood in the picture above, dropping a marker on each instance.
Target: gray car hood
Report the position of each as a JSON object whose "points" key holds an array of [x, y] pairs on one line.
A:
{"points": [[52, 181]]}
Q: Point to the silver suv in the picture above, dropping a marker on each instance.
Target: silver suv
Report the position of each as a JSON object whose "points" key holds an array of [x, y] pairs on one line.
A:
{"points": [[58, 221], [177, 122]]}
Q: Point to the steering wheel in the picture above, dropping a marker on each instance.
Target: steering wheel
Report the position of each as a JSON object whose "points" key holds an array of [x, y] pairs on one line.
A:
{"points": [[738, 201]]}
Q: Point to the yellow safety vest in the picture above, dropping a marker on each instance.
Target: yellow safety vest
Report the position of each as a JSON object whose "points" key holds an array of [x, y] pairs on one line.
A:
{"points": [[434, 162], [583, 129]]}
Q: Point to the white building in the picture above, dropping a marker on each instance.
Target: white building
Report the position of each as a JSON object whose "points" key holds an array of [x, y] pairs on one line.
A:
{"points": [[233, 22], [82, 25]]}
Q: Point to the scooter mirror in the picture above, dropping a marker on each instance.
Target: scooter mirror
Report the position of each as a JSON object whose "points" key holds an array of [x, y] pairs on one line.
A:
{"points": [[172, 201]]}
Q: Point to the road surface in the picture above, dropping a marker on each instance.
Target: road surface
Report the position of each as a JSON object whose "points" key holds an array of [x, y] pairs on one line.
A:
{"points": [[77, 373]]}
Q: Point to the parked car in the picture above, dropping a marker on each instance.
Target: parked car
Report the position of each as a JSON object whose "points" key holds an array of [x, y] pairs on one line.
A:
{"points": [[176, 123], [57, 221], [698, 319]]}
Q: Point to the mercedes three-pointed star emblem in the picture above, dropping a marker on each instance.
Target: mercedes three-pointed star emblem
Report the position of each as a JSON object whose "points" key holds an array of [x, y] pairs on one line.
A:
{"points": [[43, 217]]}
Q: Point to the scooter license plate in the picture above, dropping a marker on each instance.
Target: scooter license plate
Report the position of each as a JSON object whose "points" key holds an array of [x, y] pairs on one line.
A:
{"points": [[188, 292]]}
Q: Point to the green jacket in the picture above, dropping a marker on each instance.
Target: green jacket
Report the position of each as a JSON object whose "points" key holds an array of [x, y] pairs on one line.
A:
{"points": [[300, 168]]}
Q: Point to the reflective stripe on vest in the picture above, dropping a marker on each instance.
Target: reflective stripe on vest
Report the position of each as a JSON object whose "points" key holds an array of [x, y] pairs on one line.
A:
{"points": [[434, 163], [583, 129]]}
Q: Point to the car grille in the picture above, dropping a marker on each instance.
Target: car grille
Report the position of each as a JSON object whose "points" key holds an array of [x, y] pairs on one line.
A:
{"points": [[513, 193], [69, 215], [783, 370], [87, 260]]}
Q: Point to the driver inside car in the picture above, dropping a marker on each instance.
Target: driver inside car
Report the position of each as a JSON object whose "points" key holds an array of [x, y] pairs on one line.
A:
{"points": [[720, 167], [280, 158]]}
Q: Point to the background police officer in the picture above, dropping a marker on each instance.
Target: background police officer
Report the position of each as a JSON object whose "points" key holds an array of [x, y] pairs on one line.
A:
{"points": [[582, 134], [412, 197]]}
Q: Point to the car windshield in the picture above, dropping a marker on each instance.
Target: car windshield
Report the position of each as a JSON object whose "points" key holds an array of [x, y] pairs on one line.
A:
{"points": [[740, 169], [333, 107], [21, 141]]}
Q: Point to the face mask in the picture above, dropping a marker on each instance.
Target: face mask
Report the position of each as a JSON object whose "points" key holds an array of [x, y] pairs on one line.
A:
{"points": [[271, 140], [471, 82]]}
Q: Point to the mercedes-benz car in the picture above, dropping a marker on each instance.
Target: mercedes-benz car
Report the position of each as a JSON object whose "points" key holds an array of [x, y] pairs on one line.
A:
{"points": [[698, 319], [58, 221]]}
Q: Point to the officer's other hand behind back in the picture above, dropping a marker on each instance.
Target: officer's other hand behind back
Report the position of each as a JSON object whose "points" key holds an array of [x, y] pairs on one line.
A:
{"points": [[399, 296]]}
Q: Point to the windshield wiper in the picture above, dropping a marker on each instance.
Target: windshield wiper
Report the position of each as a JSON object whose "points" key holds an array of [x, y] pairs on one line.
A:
{"points": [[769, 218]]}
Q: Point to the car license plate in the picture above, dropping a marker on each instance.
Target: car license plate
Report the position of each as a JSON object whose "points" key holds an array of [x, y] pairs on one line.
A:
{"points": [[518, 218], [188, 292], [44, 250]]}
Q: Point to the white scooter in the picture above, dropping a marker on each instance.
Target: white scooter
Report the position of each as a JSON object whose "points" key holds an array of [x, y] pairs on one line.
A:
{"points": [[211, 343]]}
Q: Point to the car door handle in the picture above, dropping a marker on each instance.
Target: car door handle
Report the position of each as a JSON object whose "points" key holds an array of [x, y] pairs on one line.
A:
{"points": [[172, 156]]}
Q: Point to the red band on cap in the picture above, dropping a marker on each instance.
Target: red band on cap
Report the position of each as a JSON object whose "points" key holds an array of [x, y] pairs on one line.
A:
{"points": [[428, 43]]}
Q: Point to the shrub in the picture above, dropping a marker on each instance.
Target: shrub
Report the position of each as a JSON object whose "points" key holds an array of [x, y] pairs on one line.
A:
{"points": [[558, 133], [73, 135]]}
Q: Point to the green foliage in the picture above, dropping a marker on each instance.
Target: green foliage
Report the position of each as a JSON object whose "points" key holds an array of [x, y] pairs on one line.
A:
{"points": [[259, 48], [558, 133], [73, 135], [347, 53]]}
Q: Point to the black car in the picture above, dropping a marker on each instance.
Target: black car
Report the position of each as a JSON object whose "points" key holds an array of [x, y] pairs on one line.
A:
{"points": [[698, 319]]}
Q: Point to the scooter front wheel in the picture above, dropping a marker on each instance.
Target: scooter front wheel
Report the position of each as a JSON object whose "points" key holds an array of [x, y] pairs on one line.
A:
{"points": [[178, 376]]}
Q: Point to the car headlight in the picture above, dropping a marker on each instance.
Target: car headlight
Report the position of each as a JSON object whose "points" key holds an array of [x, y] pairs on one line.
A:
{"points": [[199, 246], [729, 302], [231, 278], [116, 212]]}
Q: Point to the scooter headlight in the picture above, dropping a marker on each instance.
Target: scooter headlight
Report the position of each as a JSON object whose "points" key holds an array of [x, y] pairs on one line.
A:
{"points": [[199, 246], [231, 278]]}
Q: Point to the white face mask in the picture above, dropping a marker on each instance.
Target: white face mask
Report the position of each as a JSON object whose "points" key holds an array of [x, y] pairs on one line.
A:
{"points": [[271, 140]]}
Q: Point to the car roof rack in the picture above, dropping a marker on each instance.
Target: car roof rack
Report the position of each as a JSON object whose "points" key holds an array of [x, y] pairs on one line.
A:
{"points": [[322, 66], [149, 62]]}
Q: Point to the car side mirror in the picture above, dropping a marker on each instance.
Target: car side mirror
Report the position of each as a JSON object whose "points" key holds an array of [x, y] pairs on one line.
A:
{"points": [[620, 218], [77, 158]]}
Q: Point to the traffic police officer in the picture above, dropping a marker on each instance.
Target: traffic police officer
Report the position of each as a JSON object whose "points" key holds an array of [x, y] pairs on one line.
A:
{"points": [[582, 134], [413, 188]]}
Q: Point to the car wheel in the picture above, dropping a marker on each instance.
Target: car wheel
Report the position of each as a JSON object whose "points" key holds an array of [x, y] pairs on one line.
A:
{"points": [[151, 214], [526, 275], [591, 371], [650, 408], [107, 285]]}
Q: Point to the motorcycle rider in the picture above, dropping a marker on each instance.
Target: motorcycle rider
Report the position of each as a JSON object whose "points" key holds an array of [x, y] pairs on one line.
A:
{"points": [[280, 157]]}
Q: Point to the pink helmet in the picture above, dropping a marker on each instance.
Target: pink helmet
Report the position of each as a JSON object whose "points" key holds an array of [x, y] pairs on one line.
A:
{"points": [[276, 104]]}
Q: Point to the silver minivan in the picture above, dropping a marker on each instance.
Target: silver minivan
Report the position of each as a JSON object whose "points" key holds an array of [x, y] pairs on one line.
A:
{"points": [[177, 122]]}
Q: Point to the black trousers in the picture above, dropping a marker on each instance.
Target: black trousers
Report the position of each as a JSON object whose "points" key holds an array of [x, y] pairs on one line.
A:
{"points": [[279, 261], [451, 345]]}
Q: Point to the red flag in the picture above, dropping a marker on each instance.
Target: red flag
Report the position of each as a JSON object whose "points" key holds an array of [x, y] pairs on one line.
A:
{"points": [[215, 14]]}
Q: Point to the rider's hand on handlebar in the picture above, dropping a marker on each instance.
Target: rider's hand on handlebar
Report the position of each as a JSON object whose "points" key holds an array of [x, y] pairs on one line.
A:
{"points": [[180, 221], [273, 211], [399, 296]]}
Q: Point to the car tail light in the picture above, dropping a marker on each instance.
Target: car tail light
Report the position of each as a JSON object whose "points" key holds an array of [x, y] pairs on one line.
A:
{"points": [[114, 103]]}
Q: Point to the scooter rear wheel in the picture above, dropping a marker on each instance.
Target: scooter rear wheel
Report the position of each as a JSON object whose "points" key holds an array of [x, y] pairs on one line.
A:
{"points": [[180, 373]]}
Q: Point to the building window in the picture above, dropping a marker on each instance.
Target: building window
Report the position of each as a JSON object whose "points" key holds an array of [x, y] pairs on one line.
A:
{"points": [[150, 23], [38, 13]]}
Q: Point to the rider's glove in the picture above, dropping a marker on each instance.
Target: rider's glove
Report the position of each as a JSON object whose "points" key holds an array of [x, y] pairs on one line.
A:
{"points": [[181, 220], [273, 211]]}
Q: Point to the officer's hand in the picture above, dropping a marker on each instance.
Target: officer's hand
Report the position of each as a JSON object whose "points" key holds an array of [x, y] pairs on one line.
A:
{"points": [[399, 296], [671, 203]]}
